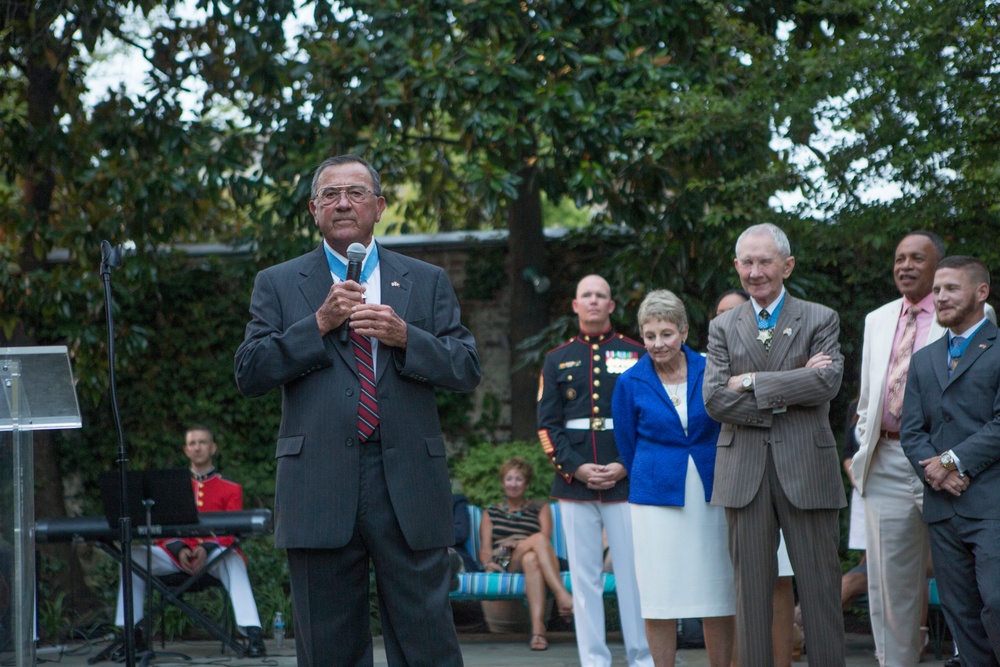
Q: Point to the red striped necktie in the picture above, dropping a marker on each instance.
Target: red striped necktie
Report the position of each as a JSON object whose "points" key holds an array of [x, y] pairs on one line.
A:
{"points": [[368, 405]]}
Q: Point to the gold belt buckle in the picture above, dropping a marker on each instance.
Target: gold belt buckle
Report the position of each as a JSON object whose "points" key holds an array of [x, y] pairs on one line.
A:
{"points": [[597, 423]]}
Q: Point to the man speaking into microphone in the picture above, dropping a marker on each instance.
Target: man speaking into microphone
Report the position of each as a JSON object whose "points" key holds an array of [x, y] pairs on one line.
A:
{"points": [[362, 475]]}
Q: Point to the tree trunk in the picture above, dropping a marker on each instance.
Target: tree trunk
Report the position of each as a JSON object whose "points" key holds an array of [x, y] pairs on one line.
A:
{"points": [[37, 185], [529, 308]]}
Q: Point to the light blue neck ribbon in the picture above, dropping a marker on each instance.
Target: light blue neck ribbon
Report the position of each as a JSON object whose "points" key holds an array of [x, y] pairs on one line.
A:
{"points": [[956, 351], [339, 268], [771, 321]]}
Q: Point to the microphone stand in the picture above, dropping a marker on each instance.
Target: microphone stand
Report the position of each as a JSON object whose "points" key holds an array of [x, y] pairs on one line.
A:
{"points": [[150, 653], [112, 257]]}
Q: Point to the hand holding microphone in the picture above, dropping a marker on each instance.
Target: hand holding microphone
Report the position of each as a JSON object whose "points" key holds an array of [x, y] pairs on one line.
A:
{"points": [[355, 258]]}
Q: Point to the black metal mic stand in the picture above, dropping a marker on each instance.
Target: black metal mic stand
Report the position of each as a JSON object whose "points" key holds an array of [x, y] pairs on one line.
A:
{"points": [[112, 257], [150, 653]]}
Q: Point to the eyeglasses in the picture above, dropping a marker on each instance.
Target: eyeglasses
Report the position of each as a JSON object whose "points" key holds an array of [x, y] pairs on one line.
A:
{"points": [[357, 194]]}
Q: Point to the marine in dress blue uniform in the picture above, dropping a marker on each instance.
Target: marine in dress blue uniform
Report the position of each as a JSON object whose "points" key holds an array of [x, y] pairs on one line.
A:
{"points": [[577, 382], [577, 433]]}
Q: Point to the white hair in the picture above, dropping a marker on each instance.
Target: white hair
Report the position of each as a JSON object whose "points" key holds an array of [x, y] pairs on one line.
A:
{"points": [[780, 240]]}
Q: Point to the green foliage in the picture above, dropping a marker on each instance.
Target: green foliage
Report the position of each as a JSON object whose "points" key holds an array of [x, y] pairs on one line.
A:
{"points": [[921, 108], [485, 274], [454, 410], [184, 377], [54, 619], [268, 569], [674, 122], [477, 473]]}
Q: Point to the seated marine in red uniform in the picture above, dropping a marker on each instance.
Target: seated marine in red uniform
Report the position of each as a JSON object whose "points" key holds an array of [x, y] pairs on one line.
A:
{"points": [[212, 493]]}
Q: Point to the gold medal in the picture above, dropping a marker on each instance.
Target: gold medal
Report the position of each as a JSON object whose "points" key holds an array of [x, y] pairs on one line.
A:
{"points": [[675, 396]]}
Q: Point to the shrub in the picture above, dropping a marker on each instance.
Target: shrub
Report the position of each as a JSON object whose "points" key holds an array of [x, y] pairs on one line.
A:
{"points": [[476, 473]]}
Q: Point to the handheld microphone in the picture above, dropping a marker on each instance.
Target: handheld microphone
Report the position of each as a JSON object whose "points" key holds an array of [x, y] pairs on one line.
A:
{"points": [[355, 257]]}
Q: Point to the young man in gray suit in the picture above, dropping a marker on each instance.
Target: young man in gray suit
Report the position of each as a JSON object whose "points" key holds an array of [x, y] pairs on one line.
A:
{"points": [[773, 366], [362, 474], [951, 435]]}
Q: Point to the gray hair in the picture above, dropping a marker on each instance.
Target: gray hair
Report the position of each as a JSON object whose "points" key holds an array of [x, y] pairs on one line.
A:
{"points": [[346, 159], [784, 249], [663, 305]]}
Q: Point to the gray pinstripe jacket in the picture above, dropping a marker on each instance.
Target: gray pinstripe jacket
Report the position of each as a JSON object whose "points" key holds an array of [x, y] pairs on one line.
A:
{"points": [[788, 411]]}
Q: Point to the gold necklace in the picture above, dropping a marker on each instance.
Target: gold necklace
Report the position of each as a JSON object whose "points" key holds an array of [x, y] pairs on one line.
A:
{"points": [[674, 398], [665, 374]]}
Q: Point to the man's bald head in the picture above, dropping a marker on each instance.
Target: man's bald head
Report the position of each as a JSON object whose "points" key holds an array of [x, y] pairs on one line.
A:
{"points": [[593, 304]]}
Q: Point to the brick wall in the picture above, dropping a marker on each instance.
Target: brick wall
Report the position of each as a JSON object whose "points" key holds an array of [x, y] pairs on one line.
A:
{"points": [[487, 319]]}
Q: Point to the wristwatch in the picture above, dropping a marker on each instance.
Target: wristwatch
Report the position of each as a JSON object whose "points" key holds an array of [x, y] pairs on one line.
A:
{"points": [[948, 461], [748, 382]]}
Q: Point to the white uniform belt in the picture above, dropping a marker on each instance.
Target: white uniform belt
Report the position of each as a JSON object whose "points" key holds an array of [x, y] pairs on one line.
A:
{"points": [[592, 424]]}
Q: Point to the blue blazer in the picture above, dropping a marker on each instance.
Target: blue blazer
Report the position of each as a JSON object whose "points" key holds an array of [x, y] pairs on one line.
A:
{"points": [[651, 440]]}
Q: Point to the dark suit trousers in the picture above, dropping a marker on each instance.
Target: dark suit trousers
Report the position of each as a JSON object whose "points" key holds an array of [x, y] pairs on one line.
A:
{"points": [[330, 590], [812, 538], [966, 554]]}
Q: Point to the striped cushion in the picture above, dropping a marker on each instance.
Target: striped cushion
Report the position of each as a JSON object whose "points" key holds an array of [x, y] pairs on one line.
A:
{"points": [[504, 586], [501, 585]]}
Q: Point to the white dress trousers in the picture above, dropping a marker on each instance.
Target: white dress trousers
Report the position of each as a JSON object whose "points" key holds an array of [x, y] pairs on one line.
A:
{"points": [[582, 524], [230, 570]]}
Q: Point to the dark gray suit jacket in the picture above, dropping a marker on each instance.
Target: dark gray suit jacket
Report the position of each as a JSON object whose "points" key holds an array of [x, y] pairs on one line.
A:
{"points": [[317, 451], [960, 413]]}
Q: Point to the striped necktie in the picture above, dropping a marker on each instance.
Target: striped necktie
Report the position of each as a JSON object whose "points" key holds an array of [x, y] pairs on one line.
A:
{"points": [[901, 362], [368, 403]]}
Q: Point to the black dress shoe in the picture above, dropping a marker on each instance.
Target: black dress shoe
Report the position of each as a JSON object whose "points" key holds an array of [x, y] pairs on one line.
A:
{"points": [[255, 643], [953, 662]]}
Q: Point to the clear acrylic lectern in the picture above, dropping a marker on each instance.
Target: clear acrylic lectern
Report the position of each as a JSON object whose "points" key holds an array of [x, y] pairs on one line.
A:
{"points": [[36, 385]]}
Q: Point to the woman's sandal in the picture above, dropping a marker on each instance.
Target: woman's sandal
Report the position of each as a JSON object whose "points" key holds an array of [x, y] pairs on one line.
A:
{"points": [[538, 643]]}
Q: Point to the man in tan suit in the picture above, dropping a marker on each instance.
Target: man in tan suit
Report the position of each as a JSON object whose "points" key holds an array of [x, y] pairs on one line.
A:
{"points": [[895, 531], [894, 495], [773, 365]]}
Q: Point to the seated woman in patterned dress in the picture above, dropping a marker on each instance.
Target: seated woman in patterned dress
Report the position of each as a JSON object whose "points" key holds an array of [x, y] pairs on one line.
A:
{"points": [[515, 536]]}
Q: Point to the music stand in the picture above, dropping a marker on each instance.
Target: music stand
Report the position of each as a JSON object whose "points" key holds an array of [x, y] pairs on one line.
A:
{"points": [[156, 498], [169, 489]]}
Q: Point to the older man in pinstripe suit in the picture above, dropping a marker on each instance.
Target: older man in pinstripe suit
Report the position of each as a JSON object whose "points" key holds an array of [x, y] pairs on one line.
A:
{"points": [[773, 365]]}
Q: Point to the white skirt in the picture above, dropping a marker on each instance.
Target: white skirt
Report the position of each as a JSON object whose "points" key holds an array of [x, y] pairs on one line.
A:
{"points": [[784, 562], [856, 535], [682, 560]]}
